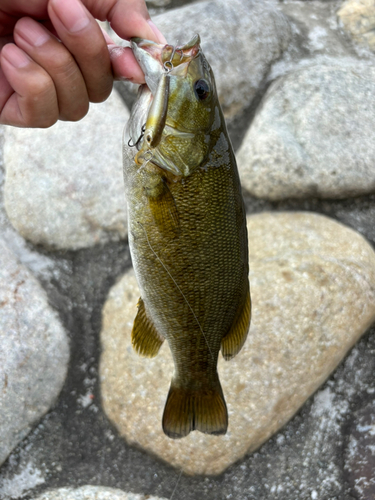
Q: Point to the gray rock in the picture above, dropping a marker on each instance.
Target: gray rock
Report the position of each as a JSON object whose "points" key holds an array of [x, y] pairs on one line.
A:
{"points": [[34, 352], [240, 39], [92, 493], [310, 276], [315, 30], [22, 482], [64, 186], [314, 135], [158, 3]]}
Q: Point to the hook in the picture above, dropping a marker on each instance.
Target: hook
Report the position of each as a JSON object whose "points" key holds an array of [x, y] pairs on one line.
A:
{"points": [[136, 144]]}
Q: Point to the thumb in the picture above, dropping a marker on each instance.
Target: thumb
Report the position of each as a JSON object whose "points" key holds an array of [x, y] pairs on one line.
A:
{"points": [[130, 18]]}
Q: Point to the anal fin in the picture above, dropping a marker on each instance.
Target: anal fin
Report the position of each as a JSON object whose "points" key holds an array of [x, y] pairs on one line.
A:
{"points": [[145, 338], [232, 343]]}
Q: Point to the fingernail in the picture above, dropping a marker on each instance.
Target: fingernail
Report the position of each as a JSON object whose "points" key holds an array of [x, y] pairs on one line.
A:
{"points": [[15, 56], [158, 33], [34, 34], [72, 14]]}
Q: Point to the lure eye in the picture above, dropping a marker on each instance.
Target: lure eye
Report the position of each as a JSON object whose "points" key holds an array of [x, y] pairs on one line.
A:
{"points": [[201, 89]]}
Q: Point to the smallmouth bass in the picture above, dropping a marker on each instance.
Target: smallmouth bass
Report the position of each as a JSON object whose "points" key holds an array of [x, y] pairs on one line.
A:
{"points": [[187, 232]]}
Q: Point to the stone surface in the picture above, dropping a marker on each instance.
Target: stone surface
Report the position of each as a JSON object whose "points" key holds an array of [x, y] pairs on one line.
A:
{"points": [[309, 277], [315, 31], [313, 135], [64, 186], [158, 3], [92, 493], [360, 453], [34, 352], [240, 41], [358, 19]]}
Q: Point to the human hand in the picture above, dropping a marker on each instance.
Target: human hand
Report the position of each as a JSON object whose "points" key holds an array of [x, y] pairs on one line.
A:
{"points": [[59, 59]]}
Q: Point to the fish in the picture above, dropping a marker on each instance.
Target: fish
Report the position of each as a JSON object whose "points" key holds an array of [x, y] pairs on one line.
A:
{"points": [[187, 232]]}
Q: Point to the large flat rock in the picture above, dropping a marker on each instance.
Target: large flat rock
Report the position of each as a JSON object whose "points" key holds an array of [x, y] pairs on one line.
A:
{"points": [[64, 187], [34, 352], [313, 290]]}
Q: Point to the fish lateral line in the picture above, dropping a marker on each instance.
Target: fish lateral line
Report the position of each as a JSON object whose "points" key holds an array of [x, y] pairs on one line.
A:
{"points": [[179, 289]]}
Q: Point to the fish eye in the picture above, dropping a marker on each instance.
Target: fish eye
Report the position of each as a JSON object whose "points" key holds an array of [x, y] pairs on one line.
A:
{"points": [[201, 89]]}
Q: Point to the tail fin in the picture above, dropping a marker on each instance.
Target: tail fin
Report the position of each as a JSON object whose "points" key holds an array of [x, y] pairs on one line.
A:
{"points": [[187, 410]]}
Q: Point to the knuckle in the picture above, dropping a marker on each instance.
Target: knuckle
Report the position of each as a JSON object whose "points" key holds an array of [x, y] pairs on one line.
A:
{"points": [[48, 121], [101, 92], [40, 85], [41, 121], [63, 63], [75, 114], [41, 105]]}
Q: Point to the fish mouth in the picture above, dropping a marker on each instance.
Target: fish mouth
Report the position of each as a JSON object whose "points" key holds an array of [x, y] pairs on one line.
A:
{"points": [[159, 62], [156, 59]]}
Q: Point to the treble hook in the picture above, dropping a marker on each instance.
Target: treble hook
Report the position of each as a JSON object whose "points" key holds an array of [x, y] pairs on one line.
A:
{"points": [[136, 144]]}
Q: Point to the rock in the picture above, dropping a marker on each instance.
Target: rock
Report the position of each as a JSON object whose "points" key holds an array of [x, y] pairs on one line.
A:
{"points": [[34, 352], [64, 187], [92, 493], [315, 31], [240, 42], [158, 3], [358, 19], [21, 483], [314, 135], [360, 453], [310, 277]]}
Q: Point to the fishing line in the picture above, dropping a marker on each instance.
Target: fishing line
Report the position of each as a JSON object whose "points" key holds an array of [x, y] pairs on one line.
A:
{"points": [[179, 289], [179, 477]]}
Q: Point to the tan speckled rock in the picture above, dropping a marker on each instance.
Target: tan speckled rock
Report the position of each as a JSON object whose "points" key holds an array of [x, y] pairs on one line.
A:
{"points": [[313, 290], [358, 19]]}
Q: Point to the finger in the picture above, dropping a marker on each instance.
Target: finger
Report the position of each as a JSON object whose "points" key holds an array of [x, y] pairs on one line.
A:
{"points": [[124, 64], [128, 18], [82, 36], [30, 99], [53, 57], [7, 23]]}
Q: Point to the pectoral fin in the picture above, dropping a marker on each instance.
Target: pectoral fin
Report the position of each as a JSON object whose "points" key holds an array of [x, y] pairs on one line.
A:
{"points": [[232, 343], [164, 211], [145, 338]]}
